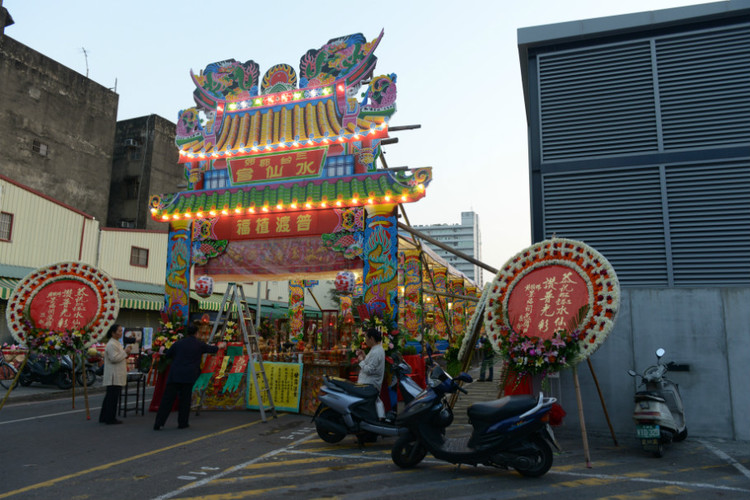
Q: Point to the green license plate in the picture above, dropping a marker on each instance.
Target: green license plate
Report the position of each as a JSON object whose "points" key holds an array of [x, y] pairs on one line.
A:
{"points": [[647, 431]]}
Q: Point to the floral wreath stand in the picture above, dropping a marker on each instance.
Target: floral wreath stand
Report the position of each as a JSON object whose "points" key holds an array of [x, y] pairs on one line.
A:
{"points": [[549, 308], [60, 309]]}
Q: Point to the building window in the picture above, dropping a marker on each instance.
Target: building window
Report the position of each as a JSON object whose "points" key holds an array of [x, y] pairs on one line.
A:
{"points": [[215, 179], [131, 188], [340, 166], [138, 257], [6, 226], [39, 147]]}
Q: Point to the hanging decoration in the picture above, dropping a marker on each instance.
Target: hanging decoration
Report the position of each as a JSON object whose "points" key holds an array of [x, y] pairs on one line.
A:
{"points": [[204, 286], [344, 282]]}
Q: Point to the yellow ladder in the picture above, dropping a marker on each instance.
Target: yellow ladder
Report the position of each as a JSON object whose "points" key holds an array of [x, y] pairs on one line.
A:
{"points": [[234, 298]]}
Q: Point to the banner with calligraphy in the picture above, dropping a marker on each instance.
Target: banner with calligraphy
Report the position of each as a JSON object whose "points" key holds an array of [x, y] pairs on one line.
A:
{"points": [[277, 260], [275, 225], [285, 381], [300, 163]]}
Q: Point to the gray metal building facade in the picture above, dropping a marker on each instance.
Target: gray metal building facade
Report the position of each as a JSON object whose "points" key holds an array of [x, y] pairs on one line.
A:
{"points": [[639, 145]]}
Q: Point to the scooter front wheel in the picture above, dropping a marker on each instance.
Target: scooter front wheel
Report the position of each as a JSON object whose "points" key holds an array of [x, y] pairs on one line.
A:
{"points": [[540, 461], [407, 452], [327, 435]]}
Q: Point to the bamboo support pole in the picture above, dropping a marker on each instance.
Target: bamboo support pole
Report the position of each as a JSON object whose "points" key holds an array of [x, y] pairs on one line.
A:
{"points": [[584, 436], [601, 399], [15, 381]]}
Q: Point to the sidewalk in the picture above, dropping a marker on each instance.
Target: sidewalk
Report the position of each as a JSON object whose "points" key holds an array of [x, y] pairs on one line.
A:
{"points": [[43, 392]]}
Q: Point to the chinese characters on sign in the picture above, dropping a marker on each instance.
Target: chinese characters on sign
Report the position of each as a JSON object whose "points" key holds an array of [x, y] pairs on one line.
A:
{"points": [[270, 225], [546, 300], [278, 166], [64, 305], [285, 380]]}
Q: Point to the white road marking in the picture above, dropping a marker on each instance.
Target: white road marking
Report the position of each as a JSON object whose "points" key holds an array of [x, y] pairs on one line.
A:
{"points": [[36, 417], [743, 470]]}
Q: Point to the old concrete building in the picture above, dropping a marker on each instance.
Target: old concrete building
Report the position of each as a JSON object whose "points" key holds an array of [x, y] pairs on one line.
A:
{"points": [[57, 129], [145, 162]]}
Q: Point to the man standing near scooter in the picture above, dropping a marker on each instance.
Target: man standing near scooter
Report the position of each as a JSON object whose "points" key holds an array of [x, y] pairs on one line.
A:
{"points": [[372, 366]]}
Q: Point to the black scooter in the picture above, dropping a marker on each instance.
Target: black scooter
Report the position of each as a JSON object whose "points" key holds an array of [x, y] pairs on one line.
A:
{"points": [[47, 370], [510, 432]]}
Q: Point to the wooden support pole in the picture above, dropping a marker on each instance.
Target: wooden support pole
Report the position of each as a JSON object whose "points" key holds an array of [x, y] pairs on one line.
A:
{"points": [[601, 399], [584, 436]]}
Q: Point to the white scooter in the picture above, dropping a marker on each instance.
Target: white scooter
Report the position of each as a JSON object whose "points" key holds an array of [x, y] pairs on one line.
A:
{"points": [[659, 415]]}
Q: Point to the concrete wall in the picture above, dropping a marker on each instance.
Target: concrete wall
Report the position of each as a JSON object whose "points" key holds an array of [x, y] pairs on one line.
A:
{"points": [[707, 329], [72, 116]]}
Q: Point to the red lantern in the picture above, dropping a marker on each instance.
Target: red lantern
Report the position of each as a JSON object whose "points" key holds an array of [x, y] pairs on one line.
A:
{"points": [[204, 286]]}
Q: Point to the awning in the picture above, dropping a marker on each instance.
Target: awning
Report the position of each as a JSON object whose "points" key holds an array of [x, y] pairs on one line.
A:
{"points": [[268, 307], [6, 287], [141, 300], [128, 299]]}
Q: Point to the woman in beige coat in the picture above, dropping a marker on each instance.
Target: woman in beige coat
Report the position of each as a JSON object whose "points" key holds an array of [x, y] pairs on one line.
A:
{"points": [[115, 374]]}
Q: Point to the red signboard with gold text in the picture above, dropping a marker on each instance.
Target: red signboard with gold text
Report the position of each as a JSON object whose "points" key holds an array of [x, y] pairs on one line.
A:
{"points": [[277, 166], [276, 225]]}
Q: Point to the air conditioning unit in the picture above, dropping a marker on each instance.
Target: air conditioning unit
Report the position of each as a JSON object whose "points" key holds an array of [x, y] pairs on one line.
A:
{"points": [[130, 143], [128, 224]]}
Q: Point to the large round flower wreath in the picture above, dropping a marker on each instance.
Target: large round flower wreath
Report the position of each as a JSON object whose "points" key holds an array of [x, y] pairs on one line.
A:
{"points": [[585, 331], [51, 341]]}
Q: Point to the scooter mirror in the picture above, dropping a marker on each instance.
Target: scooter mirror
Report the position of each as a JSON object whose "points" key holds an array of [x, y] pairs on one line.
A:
{"points": [[632, 373], [660, 352]]}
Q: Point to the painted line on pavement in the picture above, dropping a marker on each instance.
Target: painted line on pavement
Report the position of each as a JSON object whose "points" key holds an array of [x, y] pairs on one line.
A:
{"points": [[60, 479], [37, 417], [233, 469], [743, 470]]}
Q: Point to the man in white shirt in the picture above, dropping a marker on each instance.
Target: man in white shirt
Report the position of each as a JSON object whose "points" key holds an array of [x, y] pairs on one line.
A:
{"points": [[372, 366]]}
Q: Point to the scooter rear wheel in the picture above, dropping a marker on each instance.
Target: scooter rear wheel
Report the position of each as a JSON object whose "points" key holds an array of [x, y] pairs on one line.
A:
{"points": [[64, 379], [327, 435], [681, 436], [90, 377], [407, 452], [542, 460]]}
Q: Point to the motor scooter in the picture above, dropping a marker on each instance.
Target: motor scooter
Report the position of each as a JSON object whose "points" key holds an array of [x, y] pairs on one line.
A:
{"points": [[510, 432], [47, 370], [350, 408], [659, 415]]}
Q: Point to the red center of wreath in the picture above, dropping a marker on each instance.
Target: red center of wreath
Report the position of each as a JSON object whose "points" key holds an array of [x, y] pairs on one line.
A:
{"points": [[64, 305], [545, 300]]}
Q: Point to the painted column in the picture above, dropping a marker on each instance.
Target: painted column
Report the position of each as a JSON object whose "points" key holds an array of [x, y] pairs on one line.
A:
{"points": [[458, 312], [412, 291], [381, 261], [296, 308], [438, 276], [177, 283]]}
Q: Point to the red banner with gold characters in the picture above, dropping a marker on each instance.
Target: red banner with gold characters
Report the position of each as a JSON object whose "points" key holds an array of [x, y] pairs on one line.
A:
{"points": [[277, 166], [276, 225]]}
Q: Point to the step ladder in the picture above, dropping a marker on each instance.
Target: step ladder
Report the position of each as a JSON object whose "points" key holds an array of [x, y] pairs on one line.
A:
{"points": [[234, 301]]}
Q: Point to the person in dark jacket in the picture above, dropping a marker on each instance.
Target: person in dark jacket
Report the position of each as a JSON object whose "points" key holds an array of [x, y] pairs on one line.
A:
{"points": [[186, 356]]}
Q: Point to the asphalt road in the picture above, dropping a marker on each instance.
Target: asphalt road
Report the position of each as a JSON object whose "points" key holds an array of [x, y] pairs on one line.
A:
{"points": [[51, 450]]}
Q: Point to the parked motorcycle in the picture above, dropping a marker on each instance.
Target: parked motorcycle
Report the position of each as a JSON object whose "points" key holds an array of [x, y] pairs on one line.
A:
{"points": [[47, 370], [510, 432], [350, 408], [659, 415], [91, 369]]}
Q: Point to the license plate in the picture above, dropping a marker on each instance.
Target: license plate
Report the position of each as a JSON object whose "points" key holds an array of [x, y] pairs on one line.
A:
{"points": [[647, 431]]}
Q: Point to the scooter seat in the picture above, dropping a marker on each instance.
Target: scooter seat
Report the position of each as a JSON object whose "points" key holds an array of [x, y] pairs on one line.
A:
{"points": [[649, 396], [502, 408], [361, 390]]}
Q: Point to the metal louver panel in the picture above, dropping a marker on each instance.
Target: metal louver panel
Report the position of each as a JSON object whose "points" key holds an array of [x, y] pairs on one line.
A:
{"points": [[618, 212], [597, 102], [704, 88], [709, 219]]}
